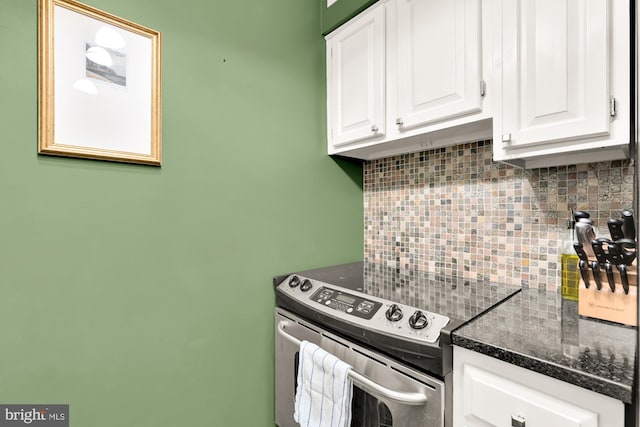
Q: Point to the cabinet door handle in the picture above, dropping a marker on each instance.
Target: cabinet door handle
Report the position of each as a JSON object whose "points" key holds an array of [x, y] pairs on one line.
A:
{"points": [[612, 107], [517, 421], [506, 137], [374, 128], [399, 121]]}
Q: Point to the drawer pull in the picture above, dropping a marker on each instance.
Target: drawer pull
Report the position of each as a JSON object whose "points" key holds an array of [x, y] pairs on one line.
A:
{"points": [[517, 421]]}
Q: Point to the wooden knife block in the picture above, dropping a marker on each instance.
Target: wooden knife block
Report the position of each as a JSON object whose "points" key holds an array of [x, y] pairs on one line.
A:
{"points": [[606, 305]]}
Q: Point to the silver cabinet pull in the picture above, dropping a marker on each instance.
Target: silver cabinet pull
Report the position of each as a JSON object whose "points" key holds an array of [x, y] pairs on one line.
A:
{"points": [[414, 399], [506, 137], [374, 128], [612, 107], [399, 121], [517, 421]]}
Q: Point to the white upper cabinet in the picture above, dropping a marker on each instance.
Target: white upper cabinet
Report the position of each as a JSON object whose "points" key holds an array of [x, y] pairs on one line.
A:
{"points": [[439, 60], [357, 93], [410, 72], [561, 78], [560, 84]]}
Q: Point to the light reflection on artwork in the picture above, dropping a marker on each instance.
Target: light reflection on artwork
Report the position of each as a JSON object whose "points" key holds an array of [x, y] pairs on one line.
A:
{"points": [[86, 86], [105, 64], [108, 37]]}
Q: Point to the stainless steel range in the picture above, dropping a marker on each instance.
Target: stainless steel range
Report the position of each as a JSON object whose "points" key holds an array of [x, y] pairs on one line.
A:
{"points": [[392, 326]]}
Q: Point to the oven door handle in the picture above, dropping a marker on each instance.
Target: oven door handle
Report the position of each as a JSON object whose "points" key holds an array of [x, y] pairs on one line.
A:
{"points": [[405, 398]]}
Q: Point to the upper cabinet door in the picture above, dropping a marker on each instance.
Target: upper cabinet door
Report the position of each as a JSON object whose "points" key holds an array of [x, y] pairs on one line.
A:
{"points": [[439, 60], [356, 79], [555, 70]]}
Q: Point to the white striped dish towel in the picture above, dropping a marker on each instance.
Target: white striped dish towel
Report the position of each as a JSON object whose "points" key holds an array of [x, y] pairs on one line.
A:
{"points": [[323, 396]]}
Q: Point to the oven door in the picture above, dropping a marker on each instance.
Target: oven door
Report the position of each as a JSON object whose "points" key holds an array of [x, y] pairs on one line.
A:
{"points": [[385, 393]]}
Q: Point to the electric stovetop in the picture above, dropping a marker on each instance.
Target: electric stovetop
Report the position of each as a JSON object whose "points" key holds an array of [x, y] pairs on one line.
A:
{"points": [[458, 299]]}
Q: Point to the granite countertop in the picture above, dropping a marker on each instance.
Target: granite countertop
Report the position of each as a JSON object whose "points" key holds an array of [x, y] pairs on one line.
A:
{"points": [[540, 331], [458, 298]]}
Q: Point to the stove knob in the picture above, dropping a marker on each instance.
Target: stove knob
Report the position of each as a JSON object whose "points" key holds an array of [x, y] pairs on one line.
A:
{"points": [[418, 320], [394, 313], [294, 281], [306, 285]]}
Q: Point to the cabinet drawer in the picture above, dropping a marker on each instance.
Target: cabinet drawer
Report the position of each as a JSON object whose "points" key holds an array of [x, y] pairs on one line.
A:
{"points": [[495, 400], [490, 392]]}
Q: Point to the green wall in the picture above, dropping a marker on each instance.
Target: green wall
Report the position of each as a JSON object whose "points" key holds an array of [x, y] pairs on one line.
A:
{"points": [[120, 284]]}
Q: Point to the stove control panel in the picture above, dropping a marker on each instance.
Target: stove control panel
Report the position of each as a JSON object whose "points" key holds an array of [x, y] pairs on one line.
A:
{"points": [[346, 302], [394, 319]]}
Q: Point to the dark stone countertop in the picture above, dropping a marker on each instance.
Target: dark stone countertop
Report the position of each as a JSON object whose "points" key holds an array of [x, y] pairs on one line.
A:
{"points": [[540, 331]]}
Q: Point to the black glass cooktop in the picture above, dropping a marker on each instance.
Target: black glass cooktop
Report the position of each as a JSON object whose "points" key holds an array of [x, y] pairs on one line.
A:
{"points": [[455, 297]]}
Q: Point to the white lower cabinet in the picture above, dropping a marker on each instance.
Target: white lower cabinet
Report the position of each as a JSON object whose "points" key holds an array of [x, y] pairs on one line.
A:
{"points": [[489, 392]]}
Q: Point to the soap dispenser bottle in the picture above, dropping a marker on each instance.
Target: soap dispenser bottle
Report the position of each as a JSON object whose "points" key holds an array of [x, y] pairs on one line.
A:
{"points": [[570, 278]]}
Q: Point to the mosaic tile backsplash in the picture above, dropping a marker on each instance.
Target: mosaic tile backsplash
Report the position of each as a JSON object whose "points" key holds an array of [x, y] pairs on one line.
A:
{"points": [[454, 211]]}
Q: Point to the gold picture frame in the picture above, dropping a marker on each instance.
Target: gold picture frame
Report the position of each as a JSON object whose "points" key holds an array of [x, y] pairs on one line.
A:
{"points": [[99, 85]]}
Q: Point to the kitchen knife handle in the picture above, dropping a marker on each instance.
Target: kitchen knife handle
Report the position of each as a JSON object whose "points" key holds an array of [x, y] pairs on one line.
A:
{"points": [[627, 248], [625, 279], [577, 215], [628, 225], [584, 272], [615, 253], [577, 246], [608, 268], [595, 269], [583, 264], [615, 228], [599, 251], [584, 235]]}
